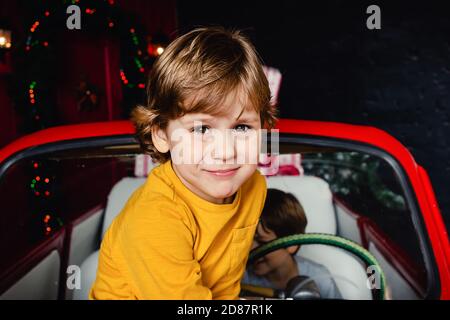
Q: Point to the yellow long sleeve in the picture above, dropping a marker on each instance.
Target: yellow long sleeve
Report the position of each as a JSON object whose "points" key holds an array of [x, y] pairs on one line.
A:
{"points": [[167, 243]]}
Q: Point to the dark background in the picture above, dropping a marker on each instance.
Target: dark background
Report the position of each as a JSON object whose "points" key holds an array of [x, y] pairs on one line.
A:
{"points": [[335, 69], [73, 54]]}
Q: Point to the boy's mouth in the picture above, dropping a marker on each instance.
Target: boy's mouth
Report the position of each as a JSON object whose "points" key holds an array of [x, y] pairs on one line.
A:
{"points": [[223, 172]]}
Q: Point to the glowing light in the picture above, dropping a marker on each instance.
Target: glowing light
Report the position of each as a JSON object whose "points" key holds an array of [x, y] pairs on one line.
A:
{"points": [[159, 50], [38, 178], [5, 38], [47, 180]]}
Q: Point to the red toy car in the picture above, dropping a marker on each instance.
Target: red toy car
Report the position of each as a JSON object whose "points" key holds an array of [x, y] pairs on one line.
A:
{"points": [[61, 187]]}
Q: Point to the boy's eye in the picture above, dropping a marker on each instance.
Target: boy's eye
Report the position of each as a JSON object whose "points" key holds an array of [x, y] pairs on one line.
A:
{"points": [[200, 129], [242, 128]]}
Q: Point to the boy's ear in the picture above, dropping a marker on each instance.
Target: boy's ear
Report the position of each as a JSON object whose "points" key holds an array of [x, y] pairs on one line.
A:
{"points": [[293, 249], [160, 139]]}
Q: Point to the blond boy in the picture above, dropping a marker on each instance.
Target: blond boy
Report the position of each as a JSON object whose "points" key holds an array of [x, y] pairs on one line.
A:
{"points": [[186, 233]]}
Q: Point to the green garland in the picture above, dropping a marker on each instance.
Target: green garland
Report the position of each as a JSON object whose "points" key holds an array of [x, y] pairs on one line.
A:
{"points": [[36, 84]]}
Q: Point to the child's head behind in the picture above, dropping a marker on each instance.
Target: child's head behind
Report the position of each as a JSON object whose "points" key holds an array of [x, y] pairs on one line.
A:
{"points": [[282, 216], [208, 98]]}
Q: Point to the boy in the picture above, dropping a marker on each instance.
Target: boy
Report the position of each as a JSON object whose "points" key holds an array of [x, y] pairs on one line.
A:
{"points": [[186, 233], [283, 215]]}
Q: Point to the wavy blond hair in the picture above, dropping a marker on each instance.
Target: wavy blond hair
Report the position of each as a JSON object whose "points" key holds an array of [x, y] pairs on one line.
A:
{"points": [[195, 73]]}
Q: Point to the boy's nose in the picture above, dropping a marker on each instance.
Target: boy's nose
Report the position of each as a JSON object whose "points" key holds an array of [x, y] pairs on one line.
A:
{"points": [[224, 146]]}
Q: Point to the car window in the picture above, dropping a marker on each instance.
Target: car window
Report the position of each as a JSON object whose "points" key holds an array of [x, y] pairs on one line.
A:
{"points": [[43, 193], [369, 205]]}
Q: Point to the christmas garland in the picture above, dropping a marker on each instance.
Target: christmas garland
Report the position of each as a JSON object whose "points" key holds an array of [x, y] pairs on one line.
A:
{"points": [[36, 90]]}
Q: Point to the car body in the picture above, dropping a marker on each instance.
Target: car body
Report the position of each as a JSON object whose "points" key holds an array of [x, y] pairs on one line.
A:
{"points": [[357, 182]]}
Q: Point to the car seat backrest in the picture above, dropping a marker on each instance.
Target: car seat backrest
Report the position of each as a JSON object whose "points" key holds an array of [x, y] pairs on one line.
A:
{"points": [[118, 197], [314, 195]]}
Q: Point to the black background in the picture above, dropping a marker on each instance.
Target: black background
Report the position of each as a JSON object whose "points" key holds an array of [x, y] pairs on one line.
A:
{"points": [[335, 69]]}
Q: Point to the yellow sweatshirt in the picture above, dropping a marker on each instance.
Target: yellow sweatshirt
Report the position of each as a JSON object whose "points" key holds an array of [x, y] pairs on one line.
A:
{"points": [[169, 243]]}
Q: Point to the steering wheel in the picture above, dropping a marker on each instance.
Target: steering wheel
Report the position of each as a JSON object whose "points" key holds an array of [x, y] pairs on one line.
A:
{"points": [[325, 239]]}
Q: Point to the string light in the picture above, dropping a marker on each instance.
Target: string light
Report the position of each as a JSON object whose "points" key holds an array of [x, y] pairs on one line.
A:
{"points": [[129, 78], [34, 26], [123, 77], [159, 50], [137, 61], [32, 93]]}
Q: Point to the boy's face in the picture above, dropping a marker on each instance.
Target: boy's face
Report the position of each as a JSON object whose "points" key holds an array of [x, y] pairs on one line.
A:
{"points": [[214, 155], [273, 261]]}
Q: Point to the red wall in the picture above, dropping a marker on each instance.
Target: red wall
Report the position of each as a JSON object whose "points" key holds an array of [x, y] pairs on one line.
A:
{"points": [[8, 119], [82, 55]]}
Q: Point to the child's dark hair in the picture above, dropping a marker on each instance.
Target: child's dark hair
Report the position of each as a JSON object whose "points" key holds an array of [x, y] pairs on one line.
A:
{"points": [[283, 214]]}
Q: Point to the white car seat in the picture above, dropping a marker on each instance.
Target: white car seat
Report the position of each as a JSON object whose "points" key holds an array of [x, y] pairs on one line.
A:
{"points": [[117, 198], [317, 200], [315, 197]]}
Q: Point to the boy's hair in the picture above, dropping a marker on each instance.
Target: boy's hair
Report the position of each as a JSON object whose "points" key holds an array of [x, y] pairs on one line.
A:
{"points": [[283, 214], [195, 73]]}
